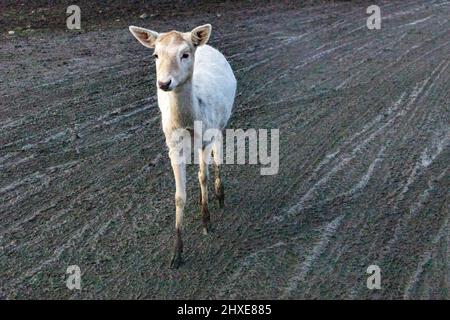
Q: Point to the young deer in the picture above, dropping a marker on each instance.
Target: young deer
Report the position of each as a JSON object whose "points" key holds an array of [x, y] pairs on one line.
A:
{"points": [[195, 83]]}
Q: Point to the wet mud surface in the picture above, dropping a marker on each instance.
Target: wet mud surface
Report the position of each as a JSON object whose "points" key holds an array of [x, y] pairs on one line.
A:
{"points": [[364, 156]]}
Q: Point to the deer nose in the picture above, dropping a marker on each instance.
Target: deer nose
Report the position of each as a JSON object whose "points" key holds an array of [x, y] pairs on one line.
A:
{"points": [[164, 85]]}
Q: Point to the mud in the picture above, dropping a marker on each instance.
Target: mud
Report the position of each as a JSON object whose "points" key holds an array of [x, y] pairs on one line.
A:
{"points": [[364, 154]]}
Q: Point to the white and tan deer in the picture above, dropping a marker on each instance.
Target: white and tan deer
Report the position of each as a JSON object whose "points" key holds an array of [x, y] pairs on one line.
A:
{"points": [[195, 83]]}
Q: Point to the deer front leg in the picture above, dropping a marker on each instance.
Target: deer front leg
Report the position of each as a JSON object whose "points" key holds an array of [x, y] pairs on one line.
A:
{"points": [[179, 172], [204, 155]]}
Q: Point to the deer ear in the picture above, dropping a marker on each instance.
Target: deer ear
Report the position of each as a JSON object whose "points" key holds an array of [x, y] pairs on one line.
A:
{"points": [[200, 35], [145, 37]]}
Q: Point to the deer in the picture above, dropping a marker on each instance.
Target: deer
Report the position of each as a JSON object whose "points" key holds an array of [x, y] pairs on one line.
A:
{"points": [[195, 83]]}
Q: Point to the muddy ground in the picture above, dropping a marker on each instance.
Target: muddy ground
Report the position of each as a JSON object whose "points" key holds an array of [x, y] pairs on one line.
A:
{"points": [[364, 154]]}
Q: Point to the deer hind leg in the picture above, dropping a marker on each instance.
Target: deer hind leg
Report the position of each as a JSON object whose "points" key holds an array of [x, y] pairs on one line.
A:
{"points": [[204, 159], [218, 186]]}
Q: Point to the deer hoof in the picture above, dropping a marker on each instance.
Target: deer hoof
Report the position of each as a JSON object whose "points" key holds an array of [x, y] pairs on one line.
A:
{"points": [[221, 202], [176, 260]]}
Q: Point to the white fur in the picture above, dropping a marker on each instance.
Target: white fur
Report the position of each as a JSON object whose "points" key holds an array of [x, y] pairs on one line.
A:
{"points": [[213, 82]]}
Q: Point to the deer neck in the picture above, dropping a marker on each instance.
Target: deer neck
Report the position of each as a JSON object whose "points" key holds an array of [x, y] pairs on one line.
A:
{"points": [[181, 105]]}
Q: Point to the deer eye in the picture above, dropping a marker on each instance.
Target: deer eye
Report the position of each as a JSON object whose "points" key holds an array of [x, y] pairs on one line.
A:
{"points": [[185, 56]]}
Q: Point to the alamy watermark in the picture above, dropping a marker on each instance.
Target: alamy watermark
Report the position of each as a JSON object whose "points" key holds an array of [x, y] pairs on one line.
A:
{"points": [[374, 21], [374, 280], [74, 279], [74, 19], [183, 143]]}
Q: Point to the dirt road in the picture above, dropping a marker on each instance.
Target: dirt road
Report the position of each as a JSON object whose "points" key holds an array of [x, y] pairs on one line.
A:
{"points": [[364, 156]]}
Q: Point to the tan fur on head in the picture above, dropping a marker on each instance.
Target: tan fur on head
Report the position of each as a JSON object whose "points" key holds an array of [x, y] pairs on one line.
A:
{"points": [[175, 56], [174, 52], [172, 37]]}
